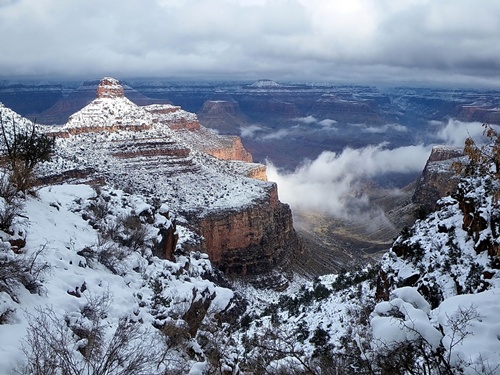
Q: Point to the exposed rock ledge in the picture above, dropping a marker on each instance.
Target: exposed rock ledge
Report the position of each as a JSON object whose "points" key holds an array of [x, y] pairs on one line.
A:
{"points": [[438, 179], [252, 240]]}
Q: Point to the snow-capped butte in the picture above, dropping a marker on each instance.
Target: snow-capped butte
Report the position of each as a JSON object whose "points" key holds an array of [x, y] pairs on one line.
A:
{"points": [[265, 83]]}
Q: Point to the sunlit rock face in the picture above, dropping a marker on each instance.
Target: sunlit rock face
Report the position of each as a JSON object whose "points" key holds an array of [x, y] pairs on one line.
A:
{"points": [[251, 240]]}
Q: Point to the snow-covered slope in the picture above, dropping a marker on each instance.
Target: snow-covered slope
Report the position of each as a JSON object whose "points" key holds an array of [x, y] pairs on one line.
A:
{"points": [[430, 306], [150, 158]]}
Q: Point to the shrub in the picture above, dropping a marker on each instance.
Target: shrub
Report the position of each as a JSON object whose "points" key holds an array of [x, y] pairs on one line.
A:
{"points": [[24, 148], [21, 269], [111, 256], [63, 345], [9, 210]]}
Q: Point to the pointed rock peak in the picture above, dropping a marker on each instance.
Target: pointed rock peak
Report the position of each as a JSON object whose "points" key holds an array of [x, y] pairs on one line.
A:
{"points": [[109, 88]]}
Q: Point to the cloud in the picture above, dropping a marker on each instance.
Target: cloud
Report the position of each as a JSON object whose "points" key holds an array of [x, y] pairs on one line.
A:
{"points": [[333, 183], [359, 40], [307, 120], [327, 123], [455, 132], [249, 131], [279, 134], [384, 129]]}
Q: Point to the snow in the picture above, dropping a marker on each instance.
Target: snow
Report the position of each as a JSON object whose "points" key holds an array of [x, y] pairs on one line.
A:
{"points": [[56, 227], [59, 223], [481, 345], [202, 182], [389, 330]]}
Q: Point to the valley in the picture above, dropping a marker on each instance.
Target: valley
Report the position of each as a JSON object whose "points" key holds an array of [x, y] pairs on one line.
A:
{"points": [[289, 124]]}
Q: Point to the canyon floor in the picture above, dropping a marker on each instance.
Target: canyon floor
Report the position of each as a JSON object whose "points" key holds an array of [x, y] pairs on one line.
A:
{"points": [[332, 243]]}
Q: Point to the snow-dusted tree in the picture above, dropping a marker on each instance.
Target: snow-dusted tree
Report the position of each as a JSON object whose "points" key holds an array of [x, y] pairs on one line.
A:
{"points": [[485, 159], [88, 343], [23, 147]]}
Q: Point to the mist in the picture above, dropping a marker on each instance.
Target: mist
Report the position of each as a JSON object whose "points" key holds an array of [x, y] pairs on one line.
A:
{"points": [[455, 132], [335, 183]]}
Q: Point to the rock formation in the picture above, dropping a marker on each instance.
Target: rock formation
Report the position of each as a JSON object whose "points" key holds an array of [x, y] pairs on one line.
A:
{"points": [[252, 240], [232, 151], [438, 178], [110, 88], [163, 151]]}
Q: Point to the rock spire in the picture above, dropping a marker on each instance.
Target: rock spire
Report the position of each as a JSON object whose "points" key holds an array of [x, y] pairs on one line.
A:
{"points": [[110, 88]]}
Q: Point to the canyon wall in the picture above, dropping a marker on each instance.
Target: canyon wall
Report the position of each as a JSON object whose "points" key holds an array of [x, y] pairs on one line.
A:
{"points": [[438, 178], [251, 240]]}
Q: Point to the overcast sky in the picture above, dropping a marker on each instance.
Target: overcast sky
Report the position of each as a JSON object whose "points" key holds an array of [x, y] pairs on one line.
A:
{"points": [[361, 41]]}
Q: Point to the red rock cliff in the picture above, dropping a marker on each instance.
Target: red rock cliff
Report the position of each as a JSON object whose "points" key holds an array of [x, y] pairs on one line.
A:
{"points": [[252, 240], [232, 151]]}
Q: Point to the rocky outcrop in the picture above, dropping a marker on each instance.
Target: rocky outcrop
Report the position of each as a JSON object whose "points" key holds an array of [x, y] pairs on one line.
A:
{"points": [[259, 172], [438, 178], [232, 150], [244, 228], [110, 88], [483, 229], [252, 240], [174, 117]]}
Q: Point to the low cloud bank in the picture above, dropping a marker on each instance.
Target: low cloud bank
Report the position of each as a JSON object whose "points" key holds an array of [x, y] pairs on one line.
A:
{"points": [[333, 183], [384, 128], [249, 131], [454, 132]]}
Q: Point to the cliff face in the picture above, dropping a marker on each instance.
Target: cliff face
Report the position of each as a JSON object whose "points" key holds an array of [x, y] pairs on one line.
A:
{"points": [[234, 150], [253, 240], [438, 179], [162, 151]]}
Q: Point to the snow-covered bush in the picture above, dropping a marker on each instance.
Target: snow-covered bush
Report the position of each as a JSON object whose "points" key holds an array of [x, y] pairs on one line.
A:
{"points": [[21, 270], [83, 343], [23, 147]]}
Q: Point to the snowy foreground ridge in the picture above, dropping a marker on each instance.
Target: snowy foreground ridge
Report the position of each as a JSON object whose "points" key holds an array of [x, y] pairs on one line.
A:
{"points": [[53, 226]]}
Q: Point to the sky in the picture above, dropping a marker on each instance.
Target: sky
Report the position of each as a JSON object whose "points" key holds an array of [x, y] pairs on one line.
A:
{"points": [[442, 42]]}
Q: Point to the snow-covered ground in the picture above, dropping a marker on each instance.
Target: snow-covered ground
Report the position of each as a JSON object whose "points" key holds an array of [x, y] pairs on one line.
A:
{"points": [[55, 229]]}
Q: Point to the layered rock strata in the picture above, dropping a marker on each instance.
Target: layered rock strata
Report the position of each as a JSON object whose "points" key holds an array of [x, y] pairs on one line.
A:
{"points": [[251, 240], [162, 151]]}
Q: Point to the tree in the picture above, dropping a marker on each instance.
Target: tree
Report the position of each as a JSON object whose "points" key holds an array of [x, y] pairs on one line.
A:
{"points": [[24, 147], [482, 159], [88, 343]]}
